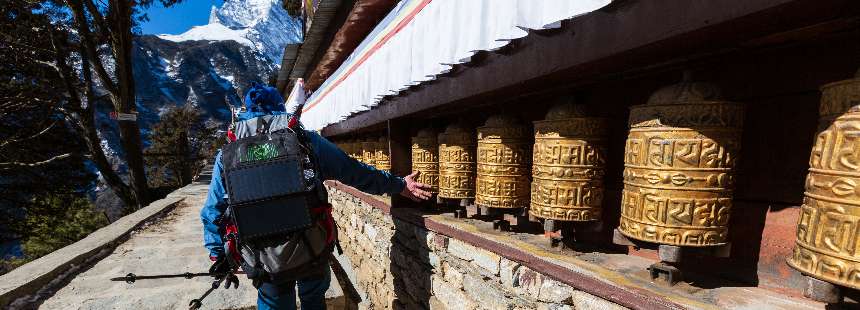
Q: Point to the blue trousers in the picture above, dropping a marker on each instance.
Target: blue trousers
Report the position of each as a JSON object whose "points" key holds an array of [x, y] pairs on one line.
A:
{"points": [[283, 296]]}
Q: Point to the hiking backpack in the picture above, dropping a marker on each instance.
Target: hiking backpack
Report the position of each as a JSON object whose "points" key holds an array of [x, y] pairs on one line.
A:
{"points": [[279, 225]]}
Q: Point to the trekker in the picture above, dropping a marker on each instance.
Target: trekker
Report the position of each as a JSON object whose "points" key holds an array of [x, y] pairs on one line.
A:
{"points": [[276, 223]]}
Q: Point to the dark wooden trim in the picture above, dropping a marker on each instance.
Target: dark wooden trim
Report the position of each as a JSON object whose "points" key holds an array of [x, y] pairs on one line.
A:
{"points": [[400, 149], [629, 297], [625, 38]]}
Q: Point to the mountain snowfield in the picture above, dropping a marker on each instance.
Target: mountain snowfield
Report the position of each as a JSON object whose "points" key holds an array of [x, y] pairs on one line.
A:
{"points": [[259, 24]]}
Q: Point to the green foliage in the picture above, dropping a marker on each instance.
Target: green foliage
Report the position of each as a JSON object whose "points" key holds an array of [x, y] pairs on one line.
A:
{"points": [[54, 222], [181, 141], [49, 232]]}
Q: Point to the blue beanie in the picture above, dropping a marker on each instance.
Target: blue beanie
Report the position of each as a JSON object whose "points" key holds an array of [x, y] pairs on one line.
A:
{"points": [[265, 99]]}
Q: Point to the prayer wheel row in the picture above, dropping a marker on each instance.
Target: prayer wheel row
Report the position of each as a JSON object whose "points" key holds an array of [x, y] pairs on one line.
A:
{"points": [[678, 177], [372, 151], [679, 164], [565, 181]]}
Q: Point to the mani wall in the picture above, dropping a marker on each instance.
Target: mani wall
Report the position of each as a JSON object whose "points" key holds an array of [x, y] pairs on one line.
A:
{"points": [[752, 174], [402, 265], [412, 258]]}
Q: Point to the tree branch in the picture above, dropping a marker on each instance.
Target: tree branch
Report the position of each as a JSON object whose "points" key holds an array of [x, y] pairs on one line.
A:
{"points": [[15, 140], [90, 46], [98, 18], [15, 164]]}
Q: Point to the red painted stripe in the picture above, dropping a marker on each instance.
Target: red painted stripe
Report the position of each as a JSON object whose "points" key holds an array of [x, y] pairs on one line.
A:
{"points": [[375, 47]]}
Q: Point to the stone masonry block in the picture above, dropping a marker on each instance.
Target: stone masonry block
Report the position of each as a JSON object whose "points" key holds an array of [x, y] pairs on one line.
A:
{"points": [[507, 270], [435, 304], [487, 260], [460, 249], [546, 306], [353, 221], [583, 300], [452, 275], [364, 305], [434, 260], [370, 231], [487, 294], [450, 296], [529, 281], [440, 242], [553, 291]]}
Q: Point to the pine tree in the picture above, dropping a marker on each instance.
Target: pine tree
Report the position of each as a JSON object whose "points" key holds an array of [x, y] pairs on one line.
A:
{"points": [[181, 142]]}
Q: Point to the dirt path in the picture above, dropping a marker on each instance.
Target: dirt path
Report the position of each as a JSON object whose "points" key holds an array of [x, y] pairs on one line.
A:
{"points": [[173, 244]]}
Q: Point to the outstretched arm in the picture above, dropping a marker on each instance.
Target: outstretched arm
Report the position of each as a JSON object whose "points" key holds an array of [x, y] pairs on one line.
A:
{"points": [[337, 165]]}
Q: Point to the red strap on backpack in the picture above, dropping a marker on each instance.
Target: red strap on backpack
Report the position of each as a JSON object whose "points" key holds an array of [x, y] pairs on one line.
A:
{"points": [[230, 245], [327, 222]]}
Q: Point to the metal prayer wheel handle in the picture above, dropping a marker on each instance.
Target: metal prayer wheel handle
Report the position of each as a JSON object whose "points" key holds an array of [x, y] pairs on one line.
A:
{"points": [[679, 166], [825, 250], [568, 165], [457, 163], [503, 164]]}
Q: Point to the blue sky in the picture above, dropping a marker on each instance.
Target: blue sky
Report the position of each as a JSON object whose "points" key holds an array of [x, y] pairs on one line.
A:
{"points": [[179, 18]]}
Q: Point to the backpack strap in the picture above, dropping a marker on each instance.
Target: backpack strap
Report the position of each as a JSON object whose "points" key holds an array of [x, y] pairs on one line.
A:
{"points": [[263, 125]]}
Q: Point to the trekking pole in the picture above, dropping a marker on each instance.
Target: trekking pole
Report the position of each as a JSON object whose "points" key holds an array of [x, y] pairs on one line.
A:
{"points": [[130, 278], [231, 278]]}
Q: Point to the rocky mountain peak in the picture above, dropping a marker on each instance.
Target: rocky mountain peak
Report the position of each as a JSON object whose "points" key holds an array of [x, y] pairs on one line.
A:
{"points": [[213, 15], [260, 24]]}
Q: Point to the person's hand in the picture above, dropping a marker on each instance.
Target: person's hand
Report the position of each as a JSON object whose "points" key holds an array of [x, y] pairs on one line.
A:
{"points": [[415, 190], [220, 267]]}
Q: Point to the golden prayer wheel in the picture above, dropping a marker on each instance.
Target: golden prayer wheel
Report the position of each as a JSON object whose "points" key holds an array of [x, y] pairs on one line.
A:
{"points": [[354, 149], [368, 151], [425, 158], [568, 165], [504, 158], [457, 163], [826, 247], [678, 166], [383, 161]]}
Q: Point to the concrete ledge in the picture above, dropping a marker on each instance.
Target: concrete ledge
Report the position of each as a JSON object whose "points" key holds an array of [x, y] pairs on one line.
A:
{"points": [[31, 277]]}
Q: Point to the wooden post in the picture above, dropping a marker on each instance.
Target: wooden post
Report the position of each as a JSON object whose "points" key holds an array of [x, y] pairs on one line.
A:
{"points": [[400, 150]]}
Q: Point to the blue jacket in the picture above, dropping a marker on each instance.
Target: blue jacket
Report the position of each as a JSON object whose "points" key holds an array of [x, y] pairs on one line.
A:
{"points": [[334, 165]]}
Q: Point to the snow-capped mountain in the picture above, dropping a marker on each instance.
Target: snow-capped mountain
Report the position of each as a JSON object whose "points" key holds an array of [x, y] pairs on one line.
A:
{"points": [[260, 24], [208, 66], [211, 65], [207, 74]]}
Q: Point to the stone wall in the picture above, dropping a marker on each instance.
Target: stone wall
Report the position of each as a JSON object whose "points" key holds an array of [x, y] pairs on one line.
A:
{"points": [[401, 265]]}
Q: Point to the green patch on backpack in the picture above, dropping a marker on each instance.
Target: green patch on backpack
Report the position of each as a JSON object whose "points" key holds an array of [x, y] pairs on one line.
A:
{"points": [[259, 152]]}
